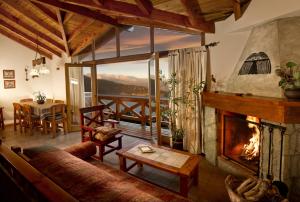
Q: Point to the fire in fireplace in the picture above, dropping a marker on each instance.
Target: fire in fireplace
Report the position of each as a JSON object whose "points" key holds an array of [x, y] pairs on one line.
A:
{"points": [[241, 139]]}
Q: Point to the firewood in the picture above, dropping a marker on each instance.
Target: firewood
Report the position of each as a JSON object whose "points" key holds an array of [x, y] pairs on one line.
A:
{"points": [[262, 191], [254, 190], [246, 185]]}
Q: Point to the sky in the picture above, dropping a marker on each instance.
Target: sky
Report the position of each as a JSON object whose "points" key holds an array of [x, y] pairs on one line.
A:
{"points": [[137, 42]]}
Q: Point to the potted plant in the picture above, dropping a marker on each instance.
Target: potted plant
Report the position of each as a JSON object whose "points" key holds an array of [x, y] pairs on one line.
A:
{"points": [[40, 97], [290, 80], [177, 133]]}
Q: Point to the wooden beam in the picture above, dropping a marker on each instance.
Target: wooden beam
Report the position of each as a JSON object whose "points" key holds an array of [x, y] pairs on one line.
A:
{"points": [[28, 37], [151, 39], [99, 42], [192, 8], [30, 15], [126, 58], [158, 18], [87, 41], [81, 27], [80, 10], [118, 45], [98, 2], [202, 35], [149, 23], [145, 6], [46, 12], [68, 17], [24, 43], [62, 29], [237, 9], [31, 29]]}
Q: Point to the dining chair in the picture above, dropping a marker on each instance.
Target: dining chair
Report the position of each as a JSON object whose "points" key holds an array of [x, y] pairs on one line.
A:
{"points": [[49, 100], [26, 100], [1, 118], [18, 116], [56, 117], [29, 119]]}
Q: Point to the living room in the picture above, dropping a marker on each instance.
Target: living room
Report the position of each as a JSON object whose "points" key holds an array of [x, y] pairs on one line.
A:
{"points": [[216, 63]]}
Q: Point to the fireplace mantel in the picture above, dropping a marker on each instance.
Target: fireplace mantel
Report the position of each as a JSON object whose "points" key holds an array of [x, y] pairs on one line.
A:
{"points": [[272, 109]]}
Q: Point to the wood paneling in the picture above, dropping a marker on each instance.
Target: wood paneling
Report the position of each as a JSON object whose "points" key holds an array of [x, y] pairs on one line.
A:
{"points": [[272, 109]]}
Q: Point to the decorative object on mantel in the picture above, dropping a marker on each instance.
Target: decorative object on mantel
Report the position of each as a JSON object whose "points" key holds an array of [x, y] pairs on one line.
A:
{"points": [[38, 65], [256, 63], [40, 97], [8, 74], [9, 84], [253, 189], [290, 80]]}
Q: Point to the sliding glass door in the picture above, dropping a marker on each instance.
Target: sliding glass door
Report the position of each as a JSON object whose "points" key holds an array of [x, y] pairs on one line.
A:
{"points": [[79, 92], [154, 98]]}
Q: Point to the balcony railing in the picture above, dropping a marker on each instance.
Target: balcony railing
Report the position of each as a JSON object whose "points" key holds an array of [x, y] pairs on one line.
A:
{"points": [[131, 108]]}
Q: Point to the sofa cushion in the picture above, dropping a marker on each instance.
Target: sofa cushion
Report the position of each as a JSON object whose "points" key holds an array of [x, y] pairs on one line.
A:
{"points": [[89, 183], [82, 150]]}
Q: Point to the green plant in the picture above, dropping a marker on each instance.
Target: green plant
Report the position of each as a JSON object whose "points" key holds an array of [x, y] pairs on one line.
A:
{"points": [[188, 99], [290, 76], [40, 96]]}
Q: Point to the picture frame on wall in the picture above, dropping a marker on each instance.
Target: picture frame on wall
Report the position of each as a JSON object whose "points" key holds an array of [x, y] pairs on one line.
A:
{"points": [[9, 84], [8, 74]]}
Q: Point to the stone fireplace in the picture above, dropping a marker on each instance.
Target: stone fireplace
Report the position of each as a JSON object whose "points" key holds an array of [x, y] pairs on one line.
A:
{"points": [[228, 130]]}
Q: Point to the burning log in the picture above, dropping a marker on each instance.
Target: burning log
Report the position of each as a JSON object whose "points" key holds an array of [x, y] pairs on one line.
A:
{"points": [[251, 150]]}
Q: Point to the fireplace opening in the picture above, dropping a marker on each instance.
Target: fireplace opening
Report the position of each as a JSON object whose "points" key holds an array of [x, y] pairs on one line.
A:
{"points": [[241, 139]]}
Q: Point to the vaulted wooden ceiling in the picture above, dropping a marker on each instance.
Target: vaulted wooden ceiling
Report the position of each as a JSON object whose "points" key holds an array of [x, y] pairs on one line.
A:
{"points": [[58, 26]]}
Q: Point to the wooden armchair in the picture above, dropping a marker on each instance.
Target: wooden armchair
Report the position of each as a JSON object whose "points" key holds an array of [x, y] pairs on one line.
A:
{"points": [[93, 128]]}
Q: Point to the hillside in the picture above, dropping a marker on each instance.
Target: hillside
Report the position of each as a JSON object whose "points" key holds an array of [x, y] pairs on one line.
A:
{"points": [[108, 87]]}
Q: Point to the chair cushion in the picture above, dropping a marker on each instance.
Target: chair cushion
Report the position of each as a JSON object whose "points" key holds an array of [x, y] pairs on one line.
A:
{"points": [[58, 116], [104, 133]]}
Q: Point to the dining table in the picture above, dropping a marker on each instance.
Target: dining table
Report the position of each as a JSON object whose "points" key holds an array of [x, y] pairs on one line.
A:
{"points": [[41, 110]]}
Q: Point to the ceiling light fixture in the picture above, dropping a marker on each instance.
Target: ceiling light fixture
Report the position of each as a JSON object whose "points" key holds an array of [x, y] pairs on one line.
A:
{"points": [[38, 64]]}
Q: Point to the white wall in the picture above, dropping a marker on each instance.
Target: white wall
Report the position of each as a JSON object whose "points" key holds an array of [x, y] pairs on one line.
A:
{"points": [[15, 56], [233, 35]]}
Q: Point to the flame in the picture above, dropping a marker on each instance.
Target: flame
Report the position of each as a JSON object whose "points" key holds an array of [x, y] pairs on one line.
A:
{"points": [[251, 150]]}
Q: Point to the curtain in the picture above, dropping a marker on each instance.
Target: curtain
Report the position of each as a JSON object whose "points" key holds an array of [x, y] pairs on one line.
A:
{"points": [[190, 66]]}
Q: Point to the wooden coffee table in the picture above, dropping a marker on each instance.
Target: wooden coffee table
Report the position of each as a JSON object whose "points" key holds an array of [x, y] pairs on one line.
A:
{"points": [[182, 164]]}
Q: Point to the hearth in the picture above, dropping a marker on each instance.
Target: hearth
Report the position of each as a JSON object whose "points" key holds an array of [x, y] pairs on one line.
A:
{"points": [[241, 139]]}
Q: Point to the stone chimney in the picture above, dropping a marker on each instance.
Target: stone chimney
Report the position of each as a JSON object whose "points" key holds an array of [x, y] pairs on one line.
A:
{"points": [[280, 41]]}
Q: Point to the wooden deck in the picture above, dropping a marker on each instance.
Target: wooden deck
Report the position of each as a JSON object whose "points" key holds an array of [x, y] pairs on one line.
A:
{"points": [[137, 130]]}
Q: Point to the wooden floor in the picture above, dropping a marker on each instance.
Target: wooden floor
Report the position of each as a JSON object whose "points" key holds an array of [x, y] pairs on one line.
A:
{"points": [[211, 180]]}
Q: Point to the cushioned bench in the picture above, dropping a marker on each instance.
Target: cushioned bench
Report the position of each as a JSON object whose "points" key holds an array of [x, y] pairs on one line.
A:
{"points": [[87, 182]]}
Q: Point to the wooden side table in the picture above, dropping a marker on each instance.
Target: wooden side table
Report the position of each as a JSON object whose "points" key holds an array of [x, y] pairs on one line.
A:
{"points": [[1, 118]]}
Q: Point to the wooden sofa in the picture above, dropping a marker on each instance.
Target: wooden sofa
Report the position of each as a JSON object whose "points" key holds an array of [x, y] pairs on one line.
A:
{"points": [[73, 179]]}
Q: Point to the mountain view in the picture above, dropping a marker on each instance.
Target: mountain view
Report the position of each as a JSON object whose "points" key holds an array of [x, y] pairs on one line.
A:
{"points": [[121, 85]]}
